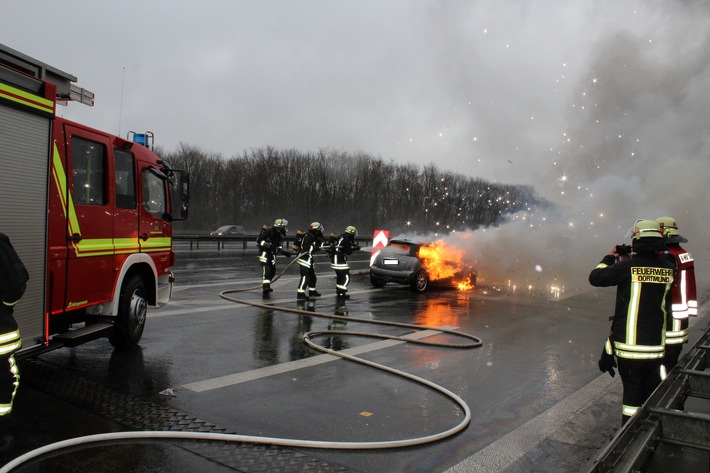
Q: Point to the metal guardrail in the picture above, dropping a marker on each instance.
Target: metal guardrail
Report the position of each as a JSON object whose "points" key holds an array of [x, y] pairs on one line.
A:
{"points": [[671, 416], [246, 240]]}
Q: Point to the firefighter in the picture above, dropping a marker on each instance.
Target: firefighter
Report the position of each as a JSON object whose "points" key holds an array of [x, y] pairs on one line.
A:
{"points": [[344, 245], [13, 279], [636, 340], [270, 244], [312, 241], [683, 293]]}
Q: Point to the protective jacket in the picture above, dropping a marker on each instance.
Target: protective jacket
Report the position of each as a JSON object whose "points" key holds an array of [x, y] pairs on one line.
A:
{"points": [[312, 241], [10, 342], [683, 295], [642, 302], [309, 245], [342, 248], [10, 339], [269, 243], [269, 239]]}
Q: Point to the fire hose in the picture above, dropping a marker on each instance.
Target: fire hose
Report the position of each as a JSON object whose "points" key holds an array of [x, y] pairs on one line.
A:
{"points": [[474, 342]]}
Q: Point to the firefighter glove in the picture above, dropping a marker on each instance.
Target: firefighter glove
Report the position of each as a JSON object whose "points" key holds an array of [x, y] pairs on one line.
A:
{"points": [[607, 363]]}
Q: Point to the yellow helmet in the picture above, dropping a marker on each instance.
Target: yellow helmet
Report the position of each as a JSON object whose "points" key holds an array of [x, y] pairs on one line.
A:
{"points": [[280, 223], [351, 230], [668, 225], [646, 229]]}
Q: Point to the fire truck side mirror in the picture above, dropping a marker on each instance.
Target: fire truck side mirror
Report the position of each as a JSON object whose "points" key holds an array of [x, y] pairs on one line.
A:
{"points": [[179, 184]]}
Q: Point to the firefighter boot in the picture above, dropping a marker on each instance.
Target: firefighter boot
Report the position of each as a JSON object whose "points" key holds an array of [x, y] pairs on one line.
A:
{"points": [[342, 295], [266, 289], [301, 296], [313, 293]]}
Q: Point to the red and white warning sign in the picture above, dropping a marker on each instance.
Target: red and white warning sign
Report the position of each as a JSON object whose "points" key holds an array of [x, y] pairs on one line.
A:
{"points": [[379, 241]]}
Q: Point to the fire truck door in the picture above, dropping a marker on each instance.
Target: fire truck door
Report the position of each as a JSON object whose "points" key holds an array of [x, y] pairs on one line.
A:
{"points": [[154, 228], [89, 214]]}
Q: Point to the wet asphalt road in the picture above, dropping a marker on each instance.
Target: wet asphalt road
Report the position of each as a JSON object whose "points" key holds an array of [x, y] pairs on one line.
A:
{"points": [[536, 398]]}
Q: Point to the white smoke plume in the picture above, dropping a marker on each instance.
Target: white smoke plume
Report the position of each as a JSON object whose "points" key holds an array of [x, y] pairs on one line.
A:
{"points": [[635, 145]]}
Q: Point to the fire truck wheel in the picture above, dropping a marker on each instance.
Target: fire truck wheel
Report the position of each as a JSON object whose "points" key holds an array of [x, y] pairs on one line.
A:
{"points": [[132, 310], [420, 282]]}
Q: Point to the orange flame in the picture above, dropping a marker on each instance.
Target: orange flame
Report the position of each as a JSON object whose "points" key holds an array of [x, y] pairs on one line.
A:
{"points": [[443, 261], [465, 285]]}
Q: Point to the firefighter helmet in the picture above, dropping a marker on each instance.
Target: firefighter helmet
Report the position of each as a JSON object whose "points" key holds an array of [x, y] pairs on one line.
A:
{"points": [[351, 230], [646, 229], [315, 226], [281, 223], [668, 225]]}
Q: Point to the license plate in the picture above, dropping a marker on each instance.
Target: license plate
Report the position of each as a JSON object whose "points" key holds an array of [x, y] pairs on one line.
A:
{"points": [[390, 261]]}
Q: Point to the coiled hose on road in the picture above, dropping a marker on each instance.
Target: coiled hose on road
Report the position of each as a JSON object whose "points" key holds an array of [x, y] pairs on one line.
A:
{"points": [[475, 342]]}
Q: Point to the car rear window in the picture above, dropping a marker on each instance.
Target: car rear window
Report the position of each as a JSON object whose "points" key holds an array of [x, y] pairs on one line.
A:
{"points": [[397, 249]]}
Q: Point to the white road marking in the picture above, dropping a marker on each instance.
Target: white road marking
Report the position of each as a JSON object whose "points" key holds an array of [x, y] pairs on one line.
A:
{"points": [[512, 447], [237, 378]]}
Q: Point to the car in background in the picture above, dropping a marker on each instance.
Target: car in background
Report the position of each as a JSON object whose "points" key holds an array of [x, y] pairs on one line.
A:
{"points": [[229, 230], [399, 263]]}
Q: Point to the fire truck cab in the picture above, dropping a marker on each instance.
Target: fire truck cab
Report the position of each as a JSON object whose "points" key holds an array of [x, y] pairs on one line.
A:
{"points": [[89, 213]]}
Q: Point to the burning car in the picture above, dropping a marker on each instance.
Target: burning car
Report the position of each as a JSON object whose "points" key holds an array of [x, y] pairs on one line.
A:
{"points": [[420, 265]]}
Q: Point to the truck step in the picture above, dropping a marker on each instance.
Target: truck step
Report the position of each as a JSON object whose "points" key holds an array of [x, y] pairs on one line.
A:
{"points": [[85, 334]]}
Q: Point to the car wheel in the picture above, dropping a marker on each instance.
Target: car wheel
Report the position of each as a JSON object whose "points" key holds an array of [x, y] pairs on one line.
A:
{"points": [[132, 311], [420, 282], [377, 282]]}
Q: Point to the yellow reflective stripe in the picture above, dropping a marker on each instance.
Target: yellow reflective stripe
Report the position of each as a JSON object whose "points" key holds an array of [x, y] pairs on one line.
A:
{"points": [[156, 244], [126, 245], [105, 246], [601, 265], [10, 347], [94, 247], [639, 348], [634, 355], [608, 348], [7, 408], [632, 313], [676, 333], [9, 336], [60, 179], [26, 98], [628, 410]]}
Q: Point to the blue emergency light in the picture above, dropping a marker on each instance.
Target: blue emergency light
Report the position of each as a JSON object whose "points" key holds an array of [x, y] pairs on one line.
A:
{"points": [[144, 139]]}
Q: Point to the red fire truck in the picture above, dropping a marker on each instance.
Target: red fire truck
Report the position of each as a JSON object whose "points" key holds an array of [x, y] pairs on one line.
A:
{"points": [[89, 213]]}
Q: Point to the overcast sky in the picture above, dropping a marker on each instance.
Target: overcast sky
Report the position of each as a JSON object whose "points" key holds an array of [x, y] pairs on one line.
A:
{"points": [[603, 106]]}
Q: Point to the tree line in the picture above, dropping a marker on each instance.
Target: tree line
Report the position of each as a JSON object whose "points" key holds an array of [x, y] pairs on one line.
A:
{"points": [[338, 189]]}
